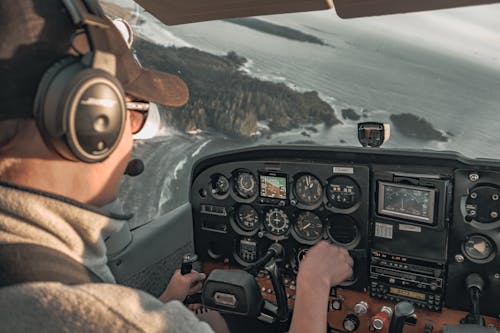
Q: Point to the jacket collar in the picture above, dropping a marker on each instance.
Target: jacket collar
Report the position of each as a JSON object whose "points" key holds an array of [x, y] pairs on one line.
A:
{"points": [[75, 229]]}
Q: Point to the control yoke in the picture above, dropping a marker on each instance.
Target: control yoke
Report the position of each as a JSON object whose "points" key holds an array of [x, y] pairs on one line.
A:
{"points": [[237, 291]]}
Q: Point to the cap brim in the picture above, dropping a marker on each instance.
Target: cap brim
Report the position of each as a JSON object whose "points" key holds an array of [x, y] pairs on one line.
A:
{"points": [[147, 84], [159, 87]]}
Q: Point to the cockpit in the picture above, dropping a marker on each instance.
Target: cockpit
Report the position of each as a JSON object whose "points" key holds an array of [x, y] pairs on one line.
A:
{"points": [[269, 144]]}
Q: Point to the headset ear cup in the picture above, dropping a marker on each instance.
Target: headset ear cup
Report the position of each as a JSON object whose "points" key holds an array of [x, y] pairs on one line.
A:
{"points": [[73, 111], [94, 126]]}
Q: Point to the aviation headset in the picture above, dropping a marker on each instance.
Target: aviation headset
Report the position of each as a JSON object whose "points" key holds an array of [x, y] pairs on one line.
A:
{"points": [[80, 104]]}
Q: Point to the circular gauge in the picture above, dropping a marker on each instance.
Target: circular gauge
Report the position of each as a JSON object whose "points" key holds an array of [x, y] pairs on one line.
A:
{"points": [[343, 231], [343, 192], [277, 222], [220, 185], [483, 204], [308, 190], [247, 217], [301, 254], [478, 249], [298, 254], [308, 227], [245, 185]]}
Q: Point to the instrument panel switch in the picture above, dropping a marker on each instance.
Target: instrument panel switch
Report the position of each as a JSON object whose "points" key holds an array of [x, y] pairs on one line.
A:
{"points": [[361, 308], [351, 322], [428, 328], [336, 304], [381, 319]]}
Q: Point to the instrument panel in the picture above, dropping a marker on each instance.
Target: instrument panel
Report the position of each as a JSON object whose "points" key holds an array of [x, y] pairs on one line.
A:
{"points": [[416, 224], [243, 208]]}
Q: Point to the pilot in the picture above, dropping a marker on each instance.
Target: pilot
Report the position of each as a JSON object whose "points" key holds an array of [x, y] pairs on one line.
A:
{"points": [[66, 131]]}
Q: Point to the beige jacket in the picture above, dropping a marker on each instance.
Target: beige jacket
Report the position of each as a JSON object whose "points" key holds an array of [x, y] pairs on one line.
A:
{"points": [[27, 216]]}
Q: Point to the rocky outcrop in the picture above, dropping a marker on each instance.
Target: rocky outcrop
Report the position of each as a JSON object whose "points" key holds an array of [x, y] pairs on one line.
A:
{"points": [[228, 100], [416, 127], [276, 30], [350, 114]]}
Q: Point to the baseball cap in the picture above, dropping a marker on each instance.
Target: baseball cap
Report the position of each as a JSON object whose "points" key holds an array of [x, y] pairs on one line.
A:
{"points": [[36, 34]]}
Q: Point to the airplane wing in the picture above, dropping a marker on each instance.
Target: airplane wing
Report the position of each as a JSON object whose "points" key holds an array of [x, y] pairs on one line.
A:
{"points": [[362, 8], [172, 12]]}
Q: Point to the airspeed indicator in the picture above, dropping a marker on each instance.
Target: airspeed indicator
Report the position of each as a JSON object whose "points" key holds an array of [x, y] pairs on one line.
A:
{"points": [[247, 217]]}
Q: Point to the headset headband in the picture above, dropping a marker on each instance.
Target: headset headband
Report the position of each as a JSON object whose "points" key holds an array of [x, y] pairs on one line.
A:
{"points": [[88, 15]]}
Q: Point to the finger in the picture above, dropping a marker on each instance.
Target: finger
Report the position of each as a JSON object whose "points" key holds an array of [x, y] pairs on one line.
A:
{"points": [[196, 288], [350, 274], [195, 277], [343, 251], [349, 261], [194, 307]]}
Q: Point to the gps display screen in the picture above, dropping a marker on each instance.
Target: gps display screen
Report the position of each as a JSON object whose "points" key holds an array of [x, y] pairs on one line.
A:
{"points": [[273, 186]]}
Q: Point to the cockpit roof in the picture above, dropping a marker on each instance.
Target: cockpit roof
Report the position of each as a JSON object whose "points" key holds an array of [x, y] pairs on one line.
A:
{"points": [[172, 12]]}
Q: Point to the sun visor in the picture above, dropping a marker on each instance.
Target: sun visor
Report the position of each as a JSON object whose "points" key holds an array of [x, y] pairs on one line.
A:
{"points": [[362, 8], [173, 12]]}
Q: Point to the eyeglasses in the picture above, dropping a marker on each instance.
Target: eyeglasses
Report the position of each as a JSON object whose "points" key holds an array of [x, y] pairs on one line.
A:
{"points": [[138, 114]]}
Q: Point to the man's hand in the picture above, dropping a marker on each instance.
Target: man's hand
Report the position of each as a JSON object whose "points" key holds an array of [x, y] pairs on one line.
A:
{"points": [[325, 263], [323, 267], [180, 286]]}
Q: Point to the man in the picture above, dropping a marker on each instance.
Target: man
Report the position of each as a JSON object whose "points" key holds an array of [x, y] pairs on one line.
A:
{"points": [[53, 268]]}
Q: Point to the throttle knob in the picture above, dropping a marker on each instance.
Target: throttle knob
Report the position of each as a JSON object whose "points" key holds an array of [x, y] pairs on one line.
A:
{"points": [[351, 322], [381, 319], [187, 263]]}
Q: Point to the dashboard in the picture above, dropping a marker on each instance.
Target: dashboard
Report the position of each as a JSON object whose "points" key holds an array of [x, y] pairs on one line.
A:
{"points": [[416, 224]]}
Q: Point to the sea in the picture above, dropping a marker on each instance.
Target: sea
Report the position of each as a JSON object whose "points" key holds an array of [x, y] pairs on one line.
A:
{"points": [[443, 66]]}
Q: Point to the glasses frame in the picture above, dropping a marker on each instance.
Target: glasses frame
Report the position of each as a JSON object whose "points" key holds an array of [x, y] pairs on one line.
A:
{"points": [[140, 107]]}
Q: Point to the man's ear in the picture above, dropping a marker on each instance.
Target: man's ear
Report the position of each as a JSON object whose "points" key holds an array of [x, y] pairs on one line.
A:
{"points": [[28, 142]]}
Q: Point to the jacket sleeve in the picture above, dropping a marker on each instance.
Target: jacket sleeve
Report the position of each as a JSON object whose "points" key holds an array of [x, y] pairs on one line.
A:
{"points": [[54, 307]]}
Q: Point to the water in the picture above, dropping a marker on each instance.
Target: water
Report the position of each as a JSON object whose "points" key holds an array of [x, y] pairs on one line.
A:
{"points": [[442, 66], [376, 71]]}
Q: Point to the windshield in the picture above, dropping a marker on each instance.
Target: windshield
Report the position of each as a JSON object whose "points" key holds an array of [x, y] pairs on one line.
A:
{"points": [[310, 78]]}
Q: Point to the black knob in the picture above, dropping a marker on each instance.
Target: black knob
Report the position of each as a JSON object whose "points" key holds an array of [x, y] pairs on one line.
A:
{"points": [[474, 280], [474, 284], [187, 263], [351, 322]]}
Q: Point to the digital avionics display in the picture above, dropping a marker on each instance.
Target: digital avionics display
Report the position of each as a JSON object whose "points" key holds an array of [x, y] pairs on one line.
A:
{"points": [[408, 202], [273, 186], [407, 293]]}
